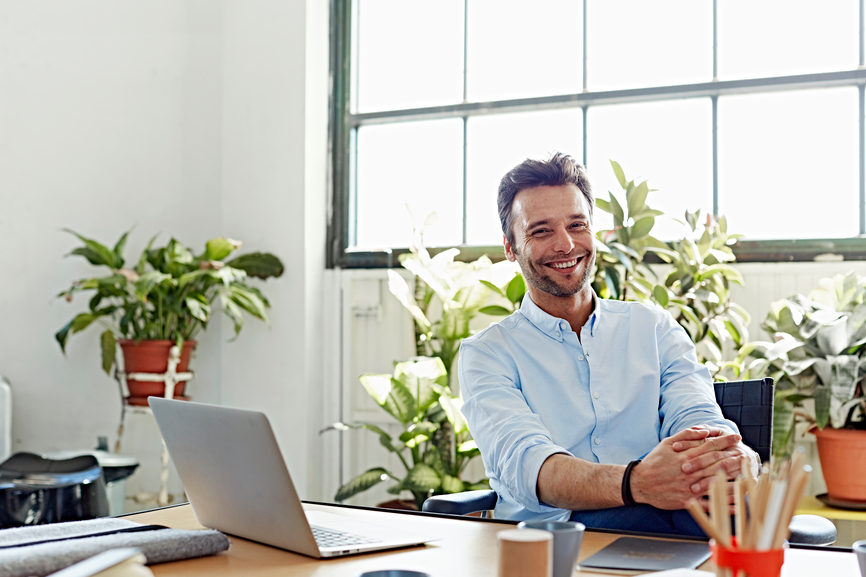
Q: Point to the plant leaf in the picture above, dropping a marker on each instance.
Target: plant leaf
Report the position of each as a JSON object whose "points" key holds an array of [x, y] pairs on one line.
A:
{"points": [[420, 377], [249, 301], [516, 289], [637, 200], [142, 261], [118, 249], [642, 227], [451, 485], [258, 264], [422, 478], [661, 295], [494, 310], [616, 210], [109, 351], [94, 252], [197, 309], [603, 205], [219, 248], [783, 425], [725, 270], [822, 405], [620, 175], [493, 287], [361, 483], [400, 289], [391, 395]]}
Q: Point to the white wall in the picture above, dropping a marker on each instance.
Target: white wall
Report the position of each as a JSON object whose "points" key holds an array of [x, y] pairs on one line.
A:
{"points": [[193, 118]]}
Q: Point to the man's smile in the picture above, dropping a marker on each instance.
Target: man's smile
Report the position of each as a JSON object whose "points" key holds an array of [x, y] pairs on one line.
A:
{"points": [[565, 264]]}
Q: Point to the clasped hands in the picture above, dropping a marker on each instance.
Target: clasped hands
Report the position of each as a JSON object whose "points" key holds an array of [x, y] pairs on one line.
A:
{"points": [[683, 466]]}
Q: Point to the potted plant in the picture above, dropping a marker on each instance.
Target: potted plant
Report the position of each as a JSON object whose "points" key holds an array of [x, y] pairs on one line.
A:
{"points": [[823, 337], [435, 445], [164, 300]]}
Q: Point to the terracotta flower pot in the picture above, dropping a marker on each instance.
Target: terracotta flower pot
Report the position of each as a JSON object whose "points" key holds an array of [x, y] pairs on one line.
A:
{"points": [[152, 357], [841, 452], [400, 504]]}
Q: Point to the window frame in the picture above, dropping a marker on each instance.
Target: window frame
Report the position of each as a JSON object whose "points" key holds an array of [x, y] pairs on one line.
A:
{"points": [[344, 125]]}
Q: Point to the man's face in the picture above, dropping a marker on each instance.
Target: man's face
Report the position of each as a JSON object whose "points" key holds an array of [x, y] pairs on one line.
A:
{"points": [[553, 240]]}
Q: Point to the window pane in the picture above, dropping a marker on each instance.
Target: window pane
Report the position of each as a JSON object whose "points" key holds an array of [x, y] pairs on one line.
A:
{"points": [[782, 37], [414, 163], [496, 144], [636, 43], [410, 54], [788, 164], [667, 143], [518, 49]]}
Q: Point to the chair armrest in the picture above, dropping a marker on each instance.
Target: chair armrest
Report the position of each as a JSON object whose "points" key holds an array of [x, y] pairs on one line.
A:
{"points": [[461, 503]]}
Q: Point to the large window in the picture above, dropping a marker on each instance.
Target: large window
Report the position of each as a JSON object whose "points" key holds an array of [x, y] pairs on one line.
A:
{"points": [[751, 109]]}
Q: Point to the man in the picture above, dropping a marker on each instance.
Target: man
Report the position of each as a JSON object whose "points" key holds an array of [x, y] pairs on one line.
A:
{"points": [[585, 408]]}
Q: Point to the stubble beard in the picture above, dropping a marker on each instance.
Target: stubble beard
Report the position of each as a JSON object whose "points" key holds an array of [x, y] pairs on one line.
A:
{"points": [[533, 274]]}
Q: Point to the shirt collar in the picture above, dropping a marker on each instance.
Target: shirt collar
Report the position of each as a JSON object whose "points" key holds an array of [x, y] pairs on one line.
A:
{"points": [[553, 326]]}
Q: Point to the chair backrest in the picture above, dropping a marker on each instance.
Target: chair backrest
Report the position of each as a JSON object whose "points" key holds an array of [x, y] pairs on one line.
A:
{"points": [[749, 404]]}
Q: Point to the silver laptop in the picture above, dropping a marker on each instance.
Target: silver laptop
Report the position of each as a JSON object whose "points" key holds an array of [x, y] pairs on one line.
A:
{"points": [[237, 482]]}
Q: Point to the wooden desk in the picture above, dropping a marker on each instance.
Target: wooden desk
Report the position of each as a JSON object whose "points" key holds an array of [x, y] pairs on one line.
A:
{"points": [[467, 548]]}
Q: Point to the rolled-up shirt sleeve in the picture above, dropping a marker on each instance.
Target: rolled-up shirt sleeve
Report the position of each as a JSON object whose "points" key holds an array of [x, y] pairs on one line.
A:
{"points": [[686, 394], [513, 440]]}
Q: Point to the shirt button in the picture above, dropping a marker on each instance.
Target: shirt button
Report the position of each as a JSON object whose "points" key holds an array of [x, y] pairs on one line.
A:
{"points": [[595, 395], [597, 441], [580, 357]]}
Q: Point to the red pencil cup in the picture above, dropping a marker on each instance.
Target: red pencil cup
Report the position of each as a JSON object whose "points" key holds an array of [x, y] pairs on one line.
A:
{"points": [[748, 562]]}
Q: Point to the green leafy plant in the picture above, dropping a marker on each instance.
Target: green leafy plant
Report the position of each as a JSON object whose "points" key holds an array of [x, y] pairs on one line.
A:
{"points": [[621, 250], [818, 354], [169, 294], [418, 397], [696, 287], [447, 296], [454, 291]]}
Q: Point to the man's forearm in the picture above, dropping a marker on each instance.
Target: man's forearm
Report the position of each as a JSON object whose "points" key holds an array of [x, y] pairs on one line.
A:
{"points": [[567, 482], [667, 478]]}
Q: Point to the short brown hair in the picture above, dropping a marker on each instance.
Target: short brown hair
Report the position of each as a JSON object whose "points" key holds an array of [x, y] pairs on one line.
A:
{"points": [[558, 170]]}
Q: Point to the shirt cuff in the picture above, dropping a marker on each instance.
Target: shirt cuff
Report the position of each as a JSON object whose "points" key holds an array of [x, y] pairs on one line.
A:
{"points": [[533, 459]]}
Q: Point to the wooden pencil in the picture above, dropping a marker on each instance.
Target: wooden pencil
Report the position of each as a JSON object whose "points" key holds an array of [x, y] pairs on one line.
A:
{"points": [[697, 512], [739, 509], [795, 490]]}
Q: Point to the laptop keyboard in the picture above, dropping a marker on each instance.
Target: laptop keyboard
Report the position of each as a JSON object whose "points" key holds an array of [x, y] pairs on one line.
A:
{"points": [[330, 538]]}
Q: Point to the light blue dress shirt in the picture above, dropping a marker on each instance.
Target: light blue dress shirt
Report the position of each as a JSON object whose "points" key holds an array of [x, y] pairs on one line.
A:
{"points": [[532, 389]]}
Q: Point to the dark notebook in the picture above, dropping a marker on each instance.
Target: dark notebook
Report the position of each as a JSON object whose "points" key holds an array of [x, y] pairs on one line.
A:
{"points": [[630, 555]]}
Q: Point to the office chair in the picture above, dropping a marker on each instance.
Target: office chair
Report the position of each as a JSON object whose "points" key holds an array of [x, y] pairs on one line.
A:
{"points": [[749, 404]]}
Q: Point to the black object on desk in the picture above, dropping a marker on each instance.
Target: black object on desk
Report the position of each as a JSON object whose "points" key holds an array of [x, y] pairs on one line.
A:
{"points": [[35, 490]]}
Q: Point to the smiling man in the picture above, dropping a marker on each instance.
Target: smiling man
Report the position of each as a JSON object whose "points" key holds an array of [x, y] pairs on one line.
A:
{"points": [[585, 408]]}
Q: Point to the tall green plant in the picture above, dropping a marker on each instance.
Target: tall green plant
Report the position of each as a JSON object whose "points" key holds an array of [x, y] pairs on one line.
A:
{"points": [[435, 445], [696, 288], [417, 395], [169, 294], [450, 288]]}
